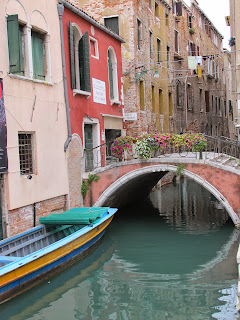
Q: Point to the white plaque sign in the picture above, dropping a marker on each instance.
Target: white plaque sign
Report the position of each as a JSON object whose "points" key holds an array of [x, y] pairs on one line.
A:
{"points": [[130, 116], [99, 91]]}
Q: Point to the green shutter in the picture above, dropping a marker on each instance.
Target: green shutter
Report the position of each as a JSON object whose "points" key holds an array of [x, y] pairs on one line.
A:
{"points": [[71, 49], [110, 74], [14, 44], [37, 55], [84, 64]]}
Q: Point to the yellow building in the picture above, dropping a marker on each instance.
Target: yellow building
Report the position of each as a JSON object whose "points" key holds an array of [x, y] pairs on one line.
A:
{"points": [[235, 63], [145, 26]]}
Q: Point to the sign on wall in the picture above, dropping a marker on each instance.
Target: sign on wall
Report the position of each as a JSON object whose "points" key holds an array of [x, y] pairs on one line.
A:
{"points": [[3, 133], [130, 116], [99, 91]]}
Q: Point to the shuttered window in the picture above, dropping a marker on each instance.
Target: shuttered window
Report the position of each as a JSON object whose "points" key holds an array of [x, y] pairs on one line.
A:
{"points": [[37, 55], [112, 23], [71, 48], [15, 51], [79, 61], [84, 65]]}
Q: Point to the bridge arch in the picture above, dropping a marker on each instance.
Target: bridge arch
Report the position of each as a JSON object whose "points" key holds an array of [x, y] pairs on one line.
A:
{"points": [[162, 169]]}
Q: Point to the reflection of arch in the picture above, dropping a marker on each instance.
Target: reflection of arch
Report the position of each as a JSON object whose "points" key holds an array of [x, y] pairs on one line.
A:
{"points": [[16, 7], [113, 188], [112, 75], [38, 20]]}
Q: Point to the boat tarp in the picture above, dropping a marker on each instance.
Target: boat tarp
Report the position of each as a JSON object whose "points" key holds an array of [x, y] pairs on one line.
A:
{"points": [[84, 216]]}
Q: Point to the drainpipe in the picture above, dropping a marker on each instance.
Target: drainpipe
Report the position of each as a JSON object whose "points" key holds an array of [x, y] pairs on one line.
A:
{"points": [[186, 102], [34, 214], [60, 8]]}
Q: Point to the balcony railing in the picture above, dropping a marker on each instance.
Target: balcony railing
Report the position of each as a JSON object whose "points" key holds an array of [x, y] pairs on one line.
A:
{"points": [[101, 155]]}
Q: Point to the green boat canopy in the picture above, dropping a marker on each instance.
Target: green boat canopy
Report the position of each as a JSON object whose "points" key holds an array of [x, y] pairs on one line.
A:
{"points": [[84, 216]]}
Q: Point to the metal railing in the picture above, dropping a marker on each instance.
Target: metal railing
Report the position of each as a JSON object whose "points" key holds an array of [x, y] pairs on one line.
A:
{"points": [[101, 155]]}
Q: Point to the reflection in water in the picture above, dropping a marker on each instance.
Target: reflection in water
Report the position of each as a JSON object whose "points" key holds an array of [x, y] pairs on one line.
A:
{"points": [[173, 260]]}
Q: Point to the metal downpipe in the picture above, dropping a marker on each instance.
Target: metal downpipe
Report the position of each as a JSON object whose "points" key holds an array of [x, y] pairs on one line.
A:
{"points": [[60, 8]]}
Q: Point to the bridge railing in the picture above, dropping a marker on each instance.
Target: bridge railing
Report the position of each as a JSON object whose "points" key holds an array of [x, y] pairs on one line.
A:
{"points": [[102, 155]]}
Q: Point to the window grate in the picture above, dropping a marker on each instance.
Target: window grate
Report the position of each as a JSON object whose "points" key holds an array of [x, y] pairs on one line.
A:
{"points": [[25, 153]]}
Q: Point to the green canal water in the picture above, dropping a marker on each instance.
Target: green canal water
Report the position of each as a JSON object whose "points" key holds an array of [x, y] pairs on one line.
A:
{"points": [[172, 256]]}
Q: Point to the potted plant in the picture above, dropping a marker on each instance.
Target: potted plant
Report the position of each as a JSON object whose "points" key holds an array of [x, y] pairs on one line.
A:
{"points": [[191, 30]]}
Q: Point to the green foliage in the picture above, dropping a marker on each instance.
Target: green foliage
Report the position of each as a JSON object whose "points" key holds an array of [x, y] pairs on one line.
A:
{"points": [[84, 189], [180, 168], [92, 177], [85, 185]]}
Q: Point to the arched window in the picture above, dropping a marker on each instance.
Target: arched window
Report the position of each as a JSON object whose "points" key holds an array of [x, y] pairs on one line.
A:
{"points": [[79, 59], [112, 76]]}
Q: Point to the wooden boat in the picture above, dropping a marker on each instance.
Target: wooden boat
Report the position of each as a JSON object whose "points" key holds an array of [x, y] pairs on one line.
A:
{"points": [[33, 256]]}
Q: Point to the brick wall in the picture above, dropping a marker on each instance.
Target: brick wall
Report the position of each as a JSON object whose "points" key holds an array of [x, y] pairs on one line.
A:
{"points": [[22, 219]]}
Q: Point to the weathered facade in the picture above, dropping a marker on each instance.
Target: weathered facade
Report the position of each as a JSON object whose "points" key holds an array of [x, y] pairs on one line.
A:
{"points": [[145, 26], [36, 182], [198, 68], [235, 64]]}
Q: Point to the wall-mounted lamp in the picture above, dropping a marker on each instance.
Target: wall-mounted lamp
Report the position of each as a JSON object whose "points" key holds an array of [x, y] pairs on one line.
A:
{"points": [[139, 74]]}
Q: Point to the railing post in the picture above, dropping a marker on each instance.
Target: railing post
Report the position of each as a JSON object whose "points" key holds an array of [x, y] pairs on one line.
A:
{"points": [[219, 145]]}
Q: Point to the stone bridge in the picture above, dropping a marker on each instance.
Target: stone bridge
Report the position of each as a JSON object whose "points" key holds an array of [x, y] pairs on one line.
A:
{"points": [[123, 182]]}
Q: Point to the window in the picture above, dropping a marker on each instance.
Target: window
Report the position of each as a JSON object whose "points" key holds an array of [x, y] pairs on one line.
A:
{"points": [[189, 97], [150, 43], [167, 19], [158, 50], [168, 56], [28, 50], [207, 100], [15, 45], [176, 41], [198, 51], [200, 100], [94, 48], [112, 76], [200, 21], [177, 8], [189, 21], [139, 29], [191, 48], [153, 99], [157, 14], [170, 104], [37, 56], [25, 142], [141, 89], [160, 101], [79, 59], [112, 23]]}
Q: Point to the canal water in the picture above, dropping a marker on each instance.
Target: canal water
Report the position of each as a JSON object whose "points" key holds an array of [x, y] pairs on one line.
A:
{"points": [[172, 256]]}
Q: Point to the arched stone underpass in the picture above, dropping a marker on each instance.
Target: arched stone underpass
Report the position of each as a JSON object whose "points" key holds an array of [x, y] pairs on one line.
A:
{"points": [[129, 181]]}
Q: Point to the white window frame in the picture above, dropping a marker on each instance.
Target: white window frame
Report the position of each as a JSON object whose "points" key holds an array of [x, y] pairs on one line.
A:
{"points": [[113, 58], [96, 56]]}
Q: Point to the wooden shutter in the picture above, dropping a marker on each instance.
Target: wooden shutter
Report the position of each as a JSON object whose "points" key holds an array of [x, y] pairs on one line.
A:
{"points": [[37, 54], [179, 8], [110, 74], [72, 63], [84, 63], [14, 44]]}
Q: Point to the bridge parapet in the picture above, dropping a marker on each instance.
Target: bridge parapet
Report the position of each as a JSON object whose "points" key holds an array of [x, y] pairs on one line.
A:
{"points": [[220, 150]]}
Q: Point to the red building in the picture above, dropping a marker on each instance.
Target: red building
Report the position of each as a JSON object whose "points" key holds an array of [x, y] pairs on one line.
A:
{"points": [[94, 88]]}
